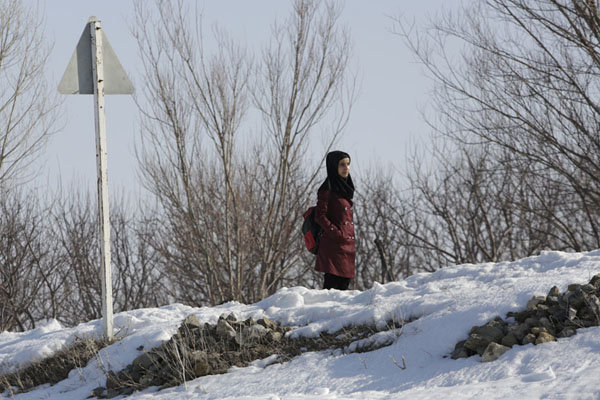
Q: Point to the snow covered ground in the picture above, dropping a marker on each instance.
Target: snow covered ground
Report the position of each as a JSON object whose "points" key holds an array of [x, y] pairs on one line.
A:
{"points": [[447, 303]]}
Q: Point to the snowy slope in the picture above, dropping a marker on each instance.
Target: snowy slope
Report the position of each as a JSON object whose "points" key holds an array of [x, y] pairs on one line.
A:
{"points": [[447, 303]]}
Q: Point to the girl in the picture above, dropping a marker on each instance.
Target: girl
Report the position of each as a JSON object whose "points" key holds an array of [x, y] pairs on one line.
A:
{"points": [[334, 213]]}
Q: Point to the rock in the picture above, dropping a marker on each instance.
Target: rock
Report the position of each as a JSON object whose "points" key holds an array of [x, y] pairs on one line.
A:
{"points": [[112, 381], [481, 336], [571, 313], [554, 292], [535, 300], [240, 340], [542, 308], [529, 338], [588, 289], [165, 373], [519, 331], [573, 287], [146, 380], [595, 281], [224, 329], [274, 336], [557, 313], [544, 337], [191, 321], [476, 343], [489, 332], [498, 323], [249, 321], [509, 340], [254, 332], [136, 374], [545, 322], [231, 318], [523, 315], [112, 393], [576, 299], [459, 345], [585, 323], [267, 323], [218, 365], [593, 305], [200, 362], [202, 368], [125, 377], [545, 319], [536, 330], [460, 353], [567, 332], [98, 392], [144, 361], [493, 351], [532, 321], [199, 355]]}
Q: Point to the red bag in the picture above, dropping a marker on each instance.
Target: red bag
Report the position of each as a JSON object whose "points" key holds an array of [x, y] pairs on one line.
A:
{"points": [[311, 231]]}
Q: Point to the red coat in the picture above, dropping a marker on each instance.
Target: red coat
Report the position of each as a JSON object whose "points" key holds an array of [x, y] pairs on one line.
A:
{"points": [[337, 249]]}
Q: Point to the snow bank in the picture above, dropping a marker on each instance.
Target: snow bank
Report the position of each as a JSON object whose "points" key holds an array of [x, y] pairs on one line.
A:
{"points": [[446, 303]]}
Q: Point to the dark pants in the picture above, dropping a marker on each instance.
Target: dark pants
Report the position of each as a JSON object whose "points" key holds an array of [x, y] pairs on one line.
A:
{"points": [[336, 282]]}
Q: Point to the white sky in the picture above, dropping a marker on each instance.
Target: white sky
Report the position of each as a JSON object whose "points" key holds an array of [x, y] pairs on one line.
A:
{"points": [[384, 123]]}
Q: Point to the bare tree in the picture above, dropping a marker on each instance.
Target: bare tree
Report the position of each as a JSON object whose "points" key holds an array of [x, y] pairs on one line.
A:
{"points": [[70, 278], [74, 226], [525, 86], [385, 253], [28, 106], [138, 273], [22, 253], [191, 95], [467, 206], [227, 226], [303, 84], [473, 209]]}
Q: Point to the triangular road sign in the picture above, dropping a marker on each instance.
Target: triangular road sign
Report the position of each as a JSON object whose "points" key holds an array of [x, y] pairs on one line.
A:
{"points": [[77, 78]]}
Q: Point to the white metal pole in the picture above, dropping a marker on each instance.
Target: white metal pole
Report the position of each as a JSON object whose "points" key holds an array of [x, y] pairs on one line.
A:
{"points": [[101, 161]]}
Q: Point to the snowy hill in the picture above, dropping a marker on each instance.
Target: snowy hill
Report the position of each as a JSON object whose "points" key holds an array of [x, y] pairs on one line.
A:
{"points": [[446, 304]]}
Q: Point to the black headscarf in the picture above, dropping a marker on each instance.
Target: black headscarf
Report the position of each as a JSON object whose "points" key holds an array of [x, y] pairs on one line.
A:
{"points": [[334, 182]]}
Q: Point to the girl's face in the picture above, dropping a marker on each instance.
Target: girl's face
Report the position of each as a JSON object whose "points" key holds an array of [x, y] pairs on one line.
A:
{"points": [[344, 167]]}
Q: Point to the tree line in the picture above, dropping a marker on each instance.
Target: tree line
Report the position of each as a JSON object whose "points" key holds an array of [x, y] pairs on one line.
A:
{"points": [[512, 168]]}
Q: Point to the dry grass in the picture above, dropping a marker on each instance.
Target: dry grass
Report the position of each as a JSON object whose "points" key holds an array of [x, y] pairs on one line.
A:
{"points": [[52, 369], [174, 362]]}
